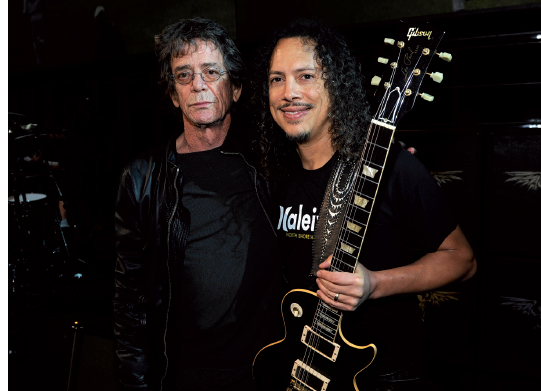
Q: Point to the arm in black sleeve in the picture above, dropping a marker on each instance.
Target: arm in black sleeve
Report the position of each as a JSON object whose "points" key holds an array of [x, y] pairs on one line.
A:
{"points": [[129, 300]]}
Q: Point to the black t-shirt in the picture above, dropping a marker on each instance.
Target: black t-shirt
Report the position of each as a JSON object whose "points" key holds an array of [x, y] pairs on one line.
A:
{"points": [[411, 217], [232, 269]]}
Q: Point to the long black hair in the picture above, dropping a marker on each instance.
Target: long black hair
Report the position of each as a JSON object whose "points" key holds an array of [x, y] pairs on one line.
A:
{"points": [[349, 110]]}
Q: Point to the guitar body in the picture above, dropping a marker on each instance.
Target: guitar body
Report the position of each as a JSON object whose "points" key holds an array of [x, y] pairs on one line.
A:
{"points": [[273, 365]]}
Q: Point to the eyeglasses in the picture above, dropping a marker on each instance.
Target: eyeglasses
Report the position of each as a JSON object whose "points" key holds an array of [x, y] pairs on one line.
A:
{"points": [[208, 74]]}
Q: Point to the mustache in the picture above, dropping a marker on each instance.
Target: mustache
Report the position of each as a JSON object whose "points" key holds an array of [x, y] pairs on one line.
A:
{"points": [[309, 105]]}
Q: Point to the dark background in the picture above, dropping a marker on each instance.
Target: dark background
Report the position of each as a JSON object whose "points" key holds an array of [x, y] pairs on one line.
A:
{"points": [[90, 87]]}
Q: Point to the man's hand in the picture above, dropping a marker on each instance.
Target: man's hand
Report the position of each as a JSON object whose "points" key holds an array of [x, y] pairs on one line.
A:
{"points": [[352, 288]]}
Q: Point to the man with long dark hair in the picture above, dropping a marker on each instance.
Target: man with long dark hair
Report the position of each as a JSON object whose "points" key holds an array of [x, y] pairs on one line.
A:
{"points": [[312, 118], [198, 273]]}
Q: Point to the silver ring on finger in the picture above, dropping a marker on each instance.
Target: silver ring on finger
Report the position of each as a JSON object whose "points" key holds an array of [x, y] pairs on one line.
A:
{"points": [[336, 297]]}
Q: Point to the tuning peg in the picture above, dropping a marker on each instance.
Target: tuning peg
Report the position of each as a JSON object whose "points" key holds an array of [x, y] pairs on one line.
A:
{"points": [[375, 80], [383, 60], [436, 76], [445, 56], [389, 41], [427, 97]]}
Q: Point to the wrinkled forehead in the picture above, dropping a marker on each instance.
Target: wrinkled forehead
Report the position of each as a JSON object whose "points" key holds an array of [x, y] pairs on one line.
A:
{"points": [[197, 46]]}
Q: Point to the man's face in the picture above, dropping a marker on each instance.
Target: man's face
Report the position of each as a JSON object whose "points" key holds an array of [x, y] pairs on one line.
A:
{"points": [[298, 99], [203, 103]]}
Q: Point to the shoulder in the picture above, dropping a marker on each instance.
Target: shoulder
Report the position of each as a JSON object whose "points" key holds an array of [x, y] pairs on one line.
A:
{"points": [[142, 165], [407, 180], [404, 166]]}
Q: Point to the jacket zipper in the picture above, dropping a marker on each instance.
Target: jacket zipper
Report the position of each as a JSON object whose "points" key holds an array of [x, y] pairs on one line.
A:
{"points": [[255, 186], [169, 278]]}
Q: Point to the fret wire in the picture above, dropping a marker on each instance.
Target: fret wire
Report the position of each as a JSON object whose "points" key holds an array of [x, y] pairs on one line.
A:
{"points": [[336, 265], [352, 219], [368, 154], [319, 327], [366, 178], [333, 268], [340, 251], [331, 321], [322, 330], [363, 160], [360, 208], [324, 307], [323, 318], [343, 262], [351, 241], [328, 313], [377, 145], [340, 265], [365, 195], [349, 244], [329, 334], [373, 138], [349, 232], [355, 245]]}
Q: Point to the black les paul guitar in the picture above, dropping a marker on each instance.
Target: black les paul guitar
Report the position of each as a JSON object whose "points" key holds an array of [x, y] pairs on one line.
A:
{"points": [[315, 355]]}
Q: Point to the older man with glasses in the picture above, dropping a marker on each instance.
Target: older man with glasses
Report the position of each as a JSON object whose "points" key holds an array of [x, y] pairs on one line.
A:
{"points": [[198, 272]]}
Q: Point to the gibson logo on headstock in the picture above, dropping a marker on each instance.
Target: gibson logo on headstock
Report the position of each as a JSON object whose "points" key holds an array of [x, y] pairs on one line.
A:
{"points": [[414, 32]]}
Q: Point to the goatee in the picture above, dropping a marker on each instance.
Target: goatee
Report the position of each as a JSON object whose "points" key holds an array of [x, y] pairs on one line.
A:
{"points": [[301, 138]]}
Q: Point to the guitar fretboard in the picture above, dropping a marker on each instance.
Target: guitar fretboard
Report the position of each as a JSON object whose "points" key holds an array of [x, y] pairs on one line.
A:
{"points": [[356, 217]]}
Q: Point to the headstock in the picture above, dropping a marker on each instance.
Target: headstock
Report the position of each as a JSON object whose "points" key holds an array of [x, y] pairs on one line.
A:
{"points": [[398, 88]]}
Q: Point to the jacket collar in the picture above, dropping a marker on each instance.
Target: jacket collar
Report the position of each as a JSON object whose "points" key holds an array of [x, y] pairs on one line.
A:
{"points": [[237, 140]]}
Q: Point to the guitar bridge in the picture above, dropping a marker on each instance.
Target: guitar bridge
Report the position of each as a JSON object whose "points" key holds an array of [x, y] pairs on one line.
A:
{"points": [[307, 378], [323, 346]]}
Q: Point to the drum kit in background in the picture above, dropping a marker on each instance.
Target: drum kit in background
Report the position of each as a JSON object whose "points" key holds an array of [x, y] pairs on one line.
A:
{"points": [[38, 247]]}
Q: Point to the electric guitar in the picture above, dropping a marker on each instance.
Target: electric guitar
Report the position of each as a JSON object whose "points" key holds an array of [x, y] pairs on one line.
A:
{"points": [[315, 355]]}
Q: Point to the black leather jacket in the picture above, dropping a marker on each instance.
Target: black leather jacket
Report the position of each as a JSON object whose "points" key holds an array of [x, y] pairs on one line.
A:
{"points": [[152, 226]]}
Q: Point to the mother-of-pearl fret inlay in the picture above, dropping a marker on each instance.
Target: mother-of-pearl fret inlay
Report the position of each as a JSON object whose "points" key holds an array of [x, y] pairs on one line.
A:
{"points": [[347, 248], [354, 227], [321, 325], [328, 319], [369, 171], [326, 307], [365, 188], [351, 233], [360, 201]]}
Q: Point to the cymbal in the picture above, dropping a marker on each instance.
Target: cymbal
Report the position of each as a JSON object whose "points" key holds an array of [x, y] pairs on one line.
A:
{"points": [[21, 127]]}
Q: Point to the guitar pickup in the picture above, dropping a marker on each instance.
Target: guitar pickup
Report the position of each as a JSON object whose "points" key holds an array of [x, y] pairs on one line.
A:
{"points": [[308, 378], [323, 346]]}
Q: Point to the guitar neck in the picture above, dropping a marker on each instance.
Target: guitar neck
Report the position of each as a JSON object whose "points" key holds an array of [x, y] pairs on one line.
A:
{"points": [[368, 172], [361, 200]]}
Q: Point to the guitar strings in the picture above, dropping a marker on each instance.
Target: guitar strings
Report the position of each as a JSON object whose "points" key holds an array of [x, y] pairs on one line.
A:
{"points": [[309, 353], [366, 156], [368, 149], [317, 327]]}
